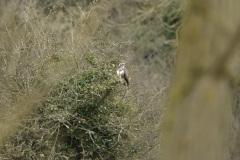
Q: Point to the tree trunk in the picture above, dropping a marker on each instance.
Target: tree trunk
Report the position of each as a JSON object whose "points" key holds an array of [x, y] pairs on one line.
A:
{"points": [[199, 111]]}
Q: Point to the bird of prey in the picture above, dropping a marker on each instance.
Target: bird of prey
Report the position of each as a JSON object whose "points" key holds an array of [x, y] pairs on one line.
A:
{"points": [[122, 73]]}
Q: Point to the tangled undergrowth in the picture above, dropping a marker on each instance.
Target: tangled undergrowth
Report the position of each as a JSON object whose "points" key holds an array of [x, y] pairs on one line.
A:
{"points": [[60, 95], [83, 117]]}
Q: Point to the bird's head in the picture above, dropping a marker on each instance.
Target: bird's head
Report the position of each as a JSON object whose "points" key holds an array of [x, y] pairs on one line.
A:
{"points": [[120, 65]]}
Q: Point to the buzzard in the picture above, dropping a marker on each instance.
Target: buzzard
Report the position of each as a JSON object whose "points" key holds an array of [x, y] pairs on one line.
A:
{"points": [[122, 73]]}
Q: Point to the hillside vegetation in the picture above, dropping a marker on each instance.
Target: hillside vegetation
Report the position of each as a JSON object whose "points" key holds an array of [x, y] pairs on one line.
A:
{"points": [[60, 97]]}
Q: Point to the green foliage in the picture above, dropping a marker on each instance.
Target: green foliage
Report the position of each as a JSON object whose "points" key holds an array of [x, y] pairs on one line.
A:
{"points": [[84, 116], [93, 111], [172, 18]]}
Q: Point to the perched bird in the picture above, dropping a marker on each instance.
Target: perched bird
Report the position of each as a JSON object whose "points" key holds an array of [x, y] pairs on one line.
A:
{"points": [[122, 73]]}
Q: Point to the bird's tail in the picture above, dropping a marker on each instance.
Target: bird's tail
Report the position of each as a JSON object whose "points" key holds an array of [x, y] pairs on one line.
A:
{"points": [[126, 79], [127, 85]]}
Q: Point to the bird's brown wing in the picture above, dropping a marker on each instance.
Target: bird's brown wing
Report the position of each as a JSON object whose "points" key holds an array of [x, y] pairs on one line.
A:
{"points": [[125, 76]]}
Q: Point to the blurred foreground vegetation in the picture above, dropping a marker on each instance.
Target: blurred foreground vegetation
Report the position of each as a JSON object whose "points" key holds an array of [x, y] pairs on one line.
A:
{"points": [[199, 123]]}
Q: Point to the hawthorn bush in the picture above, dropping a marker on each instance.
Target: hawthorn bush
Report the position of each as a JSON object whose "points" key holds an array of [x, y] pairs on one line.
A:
{"points": [[83, 117]]}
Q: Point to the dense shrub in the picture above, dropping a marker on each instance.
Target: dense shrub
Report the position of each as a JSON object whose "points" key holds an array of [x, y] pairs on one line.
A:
{"points": [[59, 90], [84, 116]]}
